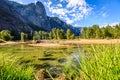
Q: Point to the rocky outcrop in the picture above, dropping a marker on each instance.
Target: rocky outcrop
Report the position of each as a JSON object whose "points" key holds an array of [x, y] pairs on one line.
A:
{"points": [[35, 14]]}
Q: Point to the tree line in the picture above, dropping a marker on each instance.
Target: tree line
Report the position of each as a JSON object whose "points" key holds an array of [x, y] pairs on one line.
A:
{"points": [[97, 32], [92, 32], [56, 34]]}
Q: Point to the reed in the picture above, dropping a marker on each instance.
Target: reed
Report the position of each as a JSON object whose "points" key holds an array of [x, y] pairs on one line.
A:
{"points": [[101, 62]]}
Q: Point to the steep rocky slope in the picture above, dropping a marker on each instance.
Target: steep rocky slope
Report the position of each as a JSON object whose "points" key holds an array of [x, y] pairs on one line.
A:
{"points": [[11, 20], [26, 18]]}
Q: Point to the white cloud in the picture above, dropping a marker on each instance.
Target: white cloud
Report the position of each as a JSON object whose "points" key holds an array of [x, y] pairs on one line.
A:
{"points": [[114, 23], [73, 3], [48, 4], [77, 25], [69, 20], [59, 5], [73, 11], [61, 0], [111, 24], [104, 14], [35, 1]]}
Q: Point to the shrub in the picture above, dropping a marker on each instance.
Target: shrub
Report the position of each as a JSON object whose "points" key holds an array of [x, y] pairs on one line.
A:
{"points": [[5, 35]]}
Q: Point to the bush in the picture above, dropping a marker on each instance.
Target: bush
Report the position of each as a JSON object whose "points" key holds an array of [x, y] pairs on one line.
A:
{"points": [[5, 35]]}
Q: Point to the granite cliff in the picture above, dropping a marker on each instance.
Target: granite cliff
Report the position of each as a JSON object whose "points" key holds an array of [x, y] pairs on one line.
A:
{"points": [[26, 18]]}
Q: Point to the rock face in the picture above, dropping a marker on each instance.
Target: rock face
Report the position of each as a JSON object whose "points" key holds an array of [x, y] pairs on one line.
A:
{"points": [[35, 14], [11, 20], [26, 18]]}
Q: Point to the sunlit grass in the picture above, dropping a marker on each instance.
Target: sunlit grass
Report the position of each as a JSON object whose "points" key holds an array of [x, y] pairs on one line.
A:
{"points": [[11, 70], [101, 62]]}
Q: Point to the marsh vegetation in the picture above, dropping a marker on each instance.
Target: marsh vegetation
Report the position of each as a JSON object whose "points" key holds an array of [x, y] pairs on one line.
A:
{"points": [[84, 62]]}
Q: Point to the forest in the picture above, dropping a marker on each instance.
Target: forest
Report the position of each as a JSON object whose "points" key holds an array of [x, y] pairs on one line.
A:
{"points": [[92, 32]]}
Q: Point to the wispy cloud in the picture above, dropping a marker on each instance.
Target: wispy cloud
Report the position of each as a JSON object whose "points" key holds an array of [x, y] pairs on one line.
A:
{"points": [[77, 25], [104, 14], [111, 24], [71, 11]]}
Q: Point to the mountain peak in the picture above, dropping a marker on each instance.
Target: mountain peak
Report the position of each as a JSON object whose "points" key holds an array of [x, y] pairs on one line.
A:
{"points": [[38, 3]]}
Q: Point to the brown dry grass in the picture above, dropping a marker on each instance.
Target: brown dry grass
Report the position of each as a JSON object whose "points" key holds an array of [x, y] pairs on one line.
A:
{"points": [[66, 43], [93, 41]]}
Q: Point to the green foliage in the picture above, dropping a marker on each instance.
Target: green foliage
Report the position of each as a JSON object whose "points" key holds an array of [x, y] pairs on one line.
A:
{"points": [[100, 33], [10, 70], [69, 34], [60, 34], [99, 62], [23, 36], [56, 34], [50, 35], [5, 35], [36, 36]]}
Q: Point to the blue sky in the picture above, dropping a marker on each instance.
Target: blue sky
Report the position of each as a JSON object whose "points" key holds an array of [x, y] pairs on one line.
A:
{"points": [[81, 13]]}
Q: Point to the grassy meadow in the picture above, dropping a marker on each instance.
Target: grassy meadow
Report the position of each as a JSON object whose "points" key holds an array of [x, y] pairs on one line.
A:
{"points": [[94, 62]]}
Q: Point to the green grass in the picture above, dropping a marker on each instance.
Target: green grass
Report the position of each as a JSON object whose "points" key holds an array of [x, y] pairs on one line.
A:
{"points": [[31, 56], [101, 62], [11, 70]]}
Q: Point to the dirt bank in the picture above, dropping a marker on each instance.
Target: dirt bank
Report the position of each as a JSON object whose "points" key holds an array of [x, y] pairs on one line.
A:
{"points": [[66, 43]]}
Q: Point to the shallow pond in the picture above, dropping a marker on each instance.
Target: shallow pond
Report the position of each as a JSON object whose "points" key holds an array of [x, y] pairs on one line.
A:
{"points": [[39, 57]]}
